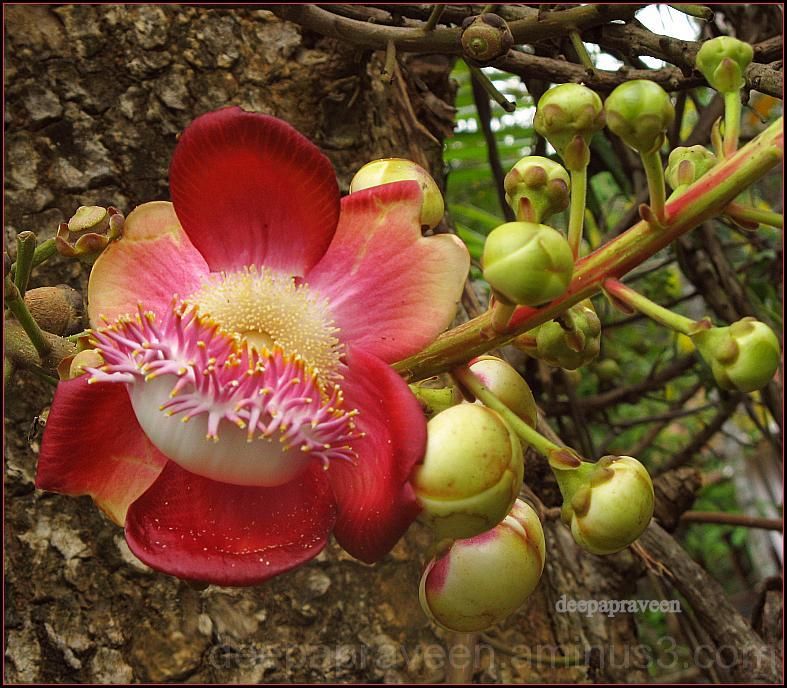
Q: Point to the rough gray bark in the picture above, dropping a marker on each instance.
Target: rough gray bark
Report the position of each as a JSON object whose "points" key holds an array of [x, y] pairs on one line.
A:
{"points": [[95, 98]]}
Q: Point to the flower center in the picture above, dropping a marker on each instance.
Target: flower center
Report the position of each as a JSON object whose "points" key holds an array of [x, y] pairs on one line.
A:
{"points": [[267, 310], [249, 415]]}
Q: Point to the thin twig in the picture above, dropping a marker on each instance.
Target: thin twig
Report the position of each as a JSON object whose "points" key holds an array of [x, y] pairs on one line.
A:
{"points": [[434, 17], [481, 97], [724, 518], [483, 81]]}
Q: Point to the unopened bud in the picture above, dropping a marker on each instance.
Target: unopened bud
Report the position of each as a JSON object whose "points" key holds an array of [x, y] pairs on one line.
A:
{"points": [[687, 164], [480, 581], [608, 504], [527, 263], [570, 343], [471, 472], [389, 170], [567, 116], [537, 188], [507, 385], [640, 112], [743, 356], [723, 62]]}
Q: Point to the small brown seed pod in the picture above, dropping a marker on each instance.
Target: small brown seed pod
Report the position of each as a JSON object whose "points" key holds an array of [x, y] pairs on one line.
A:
{"points": [[485, 39], [56, 309]]}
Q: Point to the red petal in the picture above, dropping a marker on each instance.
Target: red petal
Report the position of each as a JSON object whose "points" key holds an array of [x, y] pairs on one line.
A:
{"points": [[94, 446], [375, 499], [250, 190], [200, 529], [391, 290]]}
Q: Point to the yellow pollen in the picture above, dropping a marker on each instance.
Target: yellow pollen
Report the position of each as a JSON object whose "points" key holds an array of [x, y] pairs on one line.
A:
{"points": [[265, 308]]}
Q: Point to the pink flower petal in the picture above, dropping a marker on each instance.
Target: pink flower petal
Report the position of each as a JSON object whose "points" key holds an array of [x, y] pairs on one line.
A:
{"points": [[391, 290], [375, 499], [94, 446], [250, 190], [200, 529], [153, 260]]}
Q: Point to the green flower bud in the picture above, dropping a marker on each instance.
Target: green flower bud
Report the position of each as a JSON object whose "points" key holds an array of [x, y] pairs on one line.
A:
{"points": [[507, 385], [723, 62], [480, 581], [742, 356], [485, 39], [537, 188], [527, 263], [388, 170], [608, 504], [89, 232], [607, 370], [567, 116], [435, 400], [640, 112], [471, 473], [686, 165], [570, 343]]}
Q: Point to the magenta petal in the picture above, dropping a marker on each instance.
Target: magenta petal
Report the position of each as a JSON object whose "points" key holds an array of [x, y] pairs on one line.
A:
{"points": [[94, 446], [391, 290], [203, 530], [375, 499], [250, 190]]}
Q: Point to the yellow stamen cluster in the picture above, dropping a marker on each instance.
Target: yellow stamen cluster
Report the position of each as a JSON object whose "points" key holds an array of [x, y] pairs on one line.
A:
{"points": [[267, 309]]}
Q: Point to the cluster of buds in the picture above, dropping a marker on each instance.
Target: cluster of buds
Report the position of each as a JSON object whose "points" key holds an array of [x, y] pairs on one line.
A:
{"points": [[89, 232], [491, 545], [570, 342]]}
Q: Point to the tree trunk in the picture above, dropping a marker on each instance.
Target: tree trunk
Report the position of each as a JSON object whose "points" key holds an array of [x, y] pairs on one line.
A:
{"points": [[96, 96]]}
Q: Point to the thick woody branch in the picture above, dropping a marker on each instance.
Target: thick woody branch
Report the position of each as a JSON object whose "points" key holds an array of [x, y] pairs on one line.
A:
{"points": [[528, 30], [729, 631], [374, 27]]}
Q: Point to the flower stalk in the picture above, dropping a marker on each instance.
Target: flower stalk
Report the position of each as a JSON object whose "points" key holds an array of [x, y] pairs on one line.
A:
{"points": [[616, 291], [732, 122], [747, 214], [16, 304], [704, 199], [576, 216], [43, 252], [560, 458], [25, 252]]}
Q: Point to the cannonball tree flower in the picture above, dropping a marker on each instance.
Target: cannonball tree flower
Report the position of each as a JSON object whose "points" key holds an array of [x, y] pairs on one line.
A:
{"points": [[245, 408]]}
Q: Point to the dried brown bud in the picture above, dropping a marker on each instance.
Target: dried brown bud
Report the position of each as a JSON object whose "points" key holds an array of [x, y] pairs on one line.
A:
{"points": [[485, 39], [56, 309]]}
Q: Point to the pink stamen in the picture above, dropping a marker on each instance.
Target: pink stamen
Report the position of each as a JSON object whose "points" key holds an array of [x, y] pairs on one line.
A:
{"points": [[215, 373]]}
